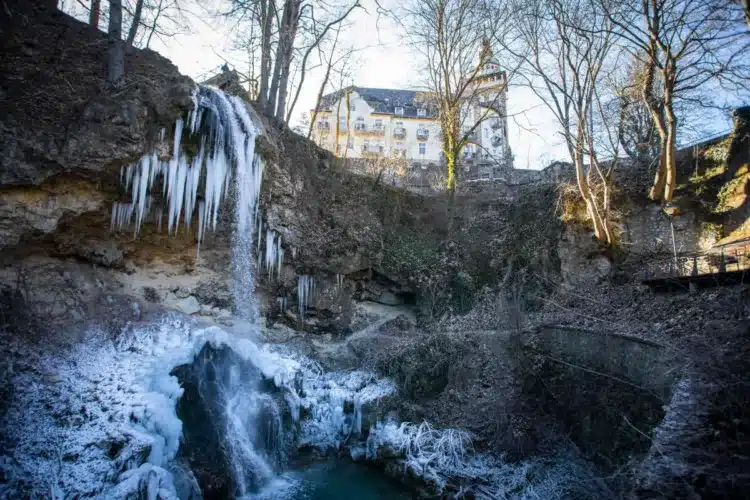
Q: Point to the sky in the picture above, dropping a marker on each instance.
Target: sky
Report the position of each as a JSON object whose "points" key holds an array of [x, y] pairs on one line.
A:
{"points": [[383, 60]]}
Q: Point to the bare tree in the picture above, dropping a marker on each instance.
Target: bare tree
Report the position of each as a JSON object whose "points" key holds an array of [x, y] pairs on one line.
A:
{"points": [[135, 23], [637, 132], [94, 13], [339, 65], [115, 48], [323, 84], [563, 63], [162, 19], [294, 26], [449, 36], [685, 45]]}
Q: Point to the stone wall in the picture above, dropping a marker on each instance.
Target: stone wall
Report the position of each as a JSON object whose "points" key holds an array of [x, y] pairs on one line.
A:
{"points": [[630, 359]]}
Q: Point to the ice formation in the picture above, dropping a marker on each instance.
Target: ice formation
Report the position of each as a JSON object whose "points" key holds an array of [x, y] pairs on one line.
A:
{"points": [[225, 133], [274, 254], [124, 391], [305, 293]]}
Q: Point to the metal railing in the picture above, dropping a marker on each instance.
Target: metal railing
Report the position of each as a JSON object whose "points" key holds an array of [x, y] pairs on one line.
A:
{"points": [[726, 258]]}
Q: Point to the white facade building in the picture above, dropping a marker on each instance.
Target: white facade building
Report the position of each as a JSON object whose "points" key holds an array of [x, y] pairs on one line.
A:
{"points": [[361, 122]]}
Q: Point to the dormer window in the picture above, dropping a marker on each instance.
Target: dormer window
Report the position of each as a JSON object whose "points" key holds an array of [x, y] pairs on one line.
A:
{"points": [[399, 111], [421, 112]]}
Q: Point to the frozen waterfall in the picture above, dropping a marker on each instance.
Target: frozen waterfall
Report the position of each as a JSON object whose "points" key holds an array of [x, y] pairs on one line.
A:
{"points": [[225, 164]]}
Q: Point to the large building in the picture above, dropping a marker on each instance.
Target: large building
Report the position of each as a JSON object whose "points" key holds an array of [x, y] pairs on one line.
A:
{"points": [[374, 123]]}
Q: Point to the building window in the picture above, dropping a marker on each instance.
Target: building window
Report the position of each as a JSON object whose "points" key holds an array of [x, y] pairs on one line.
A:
{"points": [[352, 106], [378, 125], [350, 143], [486, 133], [422, 148], [342, 124], [421, 112], [399, 111]]}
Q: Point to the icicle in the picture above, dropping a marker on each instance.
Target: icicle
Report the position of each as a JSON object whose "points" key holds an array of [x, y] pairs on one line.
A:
{"points": [[226, 141], [357, 424], [257, 252], [305, 292], [193, 115], [274, 254], [201, 225], [121, 215], [340, 281]]}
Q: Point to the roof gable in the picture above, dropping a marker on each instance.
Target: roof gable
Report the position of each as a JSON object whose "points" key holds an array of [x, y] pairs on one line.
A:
{"points": [[385, 101]]}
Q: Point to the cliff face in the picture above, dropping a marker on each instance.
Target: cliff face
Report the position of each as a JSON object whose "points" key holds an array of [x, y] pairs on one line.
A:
{"points": [[58, 114]]}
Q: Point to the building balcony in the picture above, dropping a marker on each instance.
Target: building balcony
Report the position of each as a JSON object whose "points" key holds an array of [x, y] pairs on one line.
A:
{"points": [[399, 132], [495, 124], [375, 130], [423, 134], [372, 151], [324, 127]]}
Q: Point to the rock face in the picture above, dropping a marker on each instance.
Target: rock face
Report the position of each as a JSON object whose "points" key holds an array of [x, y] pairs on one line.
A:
{"points": [[58, 114], [39, 210], [581, 260]]}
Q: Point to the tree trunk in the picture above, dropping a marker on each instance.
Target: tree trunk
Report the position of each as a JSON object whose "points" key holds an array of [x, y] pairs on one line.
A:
{"points": [[670, 160], [450, 163], [656, 109], [657, 189], [746, 5], [291, 34], [96, 7], [116, 52], [588, 198], [267, 13], [584, 189], [348, 121], [136, 23], [280, 51]]}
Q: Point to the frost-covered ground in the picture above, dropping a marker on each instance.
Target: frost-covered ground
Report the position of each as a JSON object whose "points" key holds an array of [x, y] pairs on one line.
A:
{"points": [[84, 418]]}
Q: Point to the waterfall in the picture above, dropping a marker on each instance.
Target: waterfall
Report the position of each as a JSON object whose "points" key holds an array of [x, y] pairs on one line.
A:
{"points": [[225, 133], [234, 397]]}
